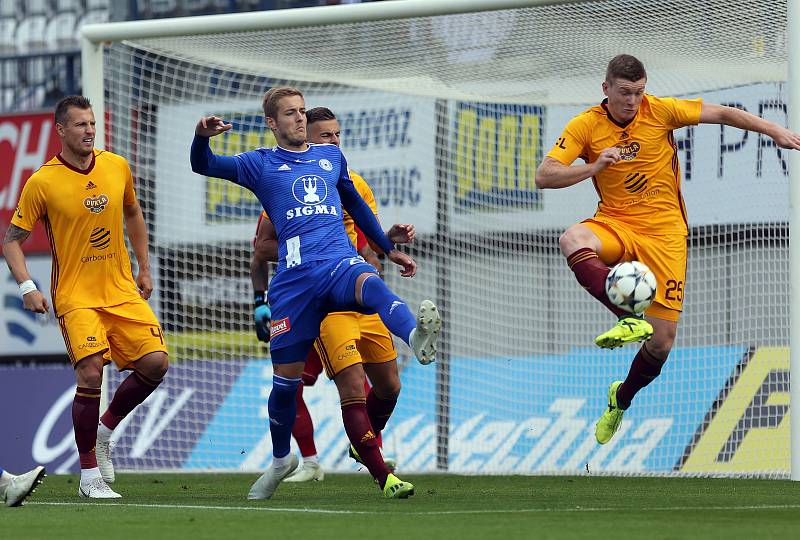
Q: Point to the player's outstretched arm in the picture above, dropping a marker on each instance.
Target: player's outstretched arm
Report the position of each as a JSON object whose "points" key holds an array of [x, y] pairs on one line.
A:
{"points": [[32, 298], [712, 113], [552, 174], [137, 234]]}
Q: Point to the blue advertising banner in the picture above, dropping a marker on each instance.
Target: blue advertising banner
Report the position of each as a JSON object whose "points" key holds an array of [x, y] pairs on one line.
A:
{"points": [[515, 415]]}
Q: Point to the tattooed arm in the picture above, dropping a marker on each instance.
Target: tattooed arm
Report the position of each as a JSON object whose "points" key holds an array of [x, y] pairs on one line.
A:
{"points": [[15, 258]]}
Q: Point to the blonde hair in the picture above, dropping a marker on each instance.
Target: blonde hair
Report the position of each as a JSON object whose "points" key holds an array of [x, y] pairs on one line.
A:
{"points": [[273, 95]]}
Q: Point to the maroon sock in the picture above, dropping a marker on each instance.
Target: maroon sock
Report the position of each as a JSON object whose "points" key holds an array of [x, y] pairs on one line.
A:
{"points": [[591, 273], [361, 434], [133, 390], [85, 412], [303, 430], [379, 410], [644, 369]]}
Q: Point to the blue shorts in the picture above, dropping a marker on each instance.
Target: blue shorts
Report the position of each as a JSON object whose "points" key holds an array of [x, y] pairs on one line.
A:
{"points": [[300, 297]]}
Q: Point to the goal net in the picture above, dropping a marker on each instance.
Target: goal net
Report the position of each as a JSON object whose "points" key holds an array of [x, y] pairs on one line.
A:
{"points": [[447, 116]]}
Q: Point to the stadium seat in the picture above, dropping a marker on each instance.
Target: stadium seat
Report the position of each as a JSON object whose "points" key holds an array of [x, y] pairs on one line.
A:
{"points": [[30, 35], [8, 8], [92, 5], [73, 6], [61, 33], [163, 8], [36, 7], [195, 7], [8, 29], [93, 16]]}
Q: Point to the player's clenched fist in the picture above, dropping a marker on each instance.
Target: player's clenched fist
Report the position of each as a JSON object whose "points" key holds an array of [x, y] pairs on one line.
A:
{"points": [[261, 317], [607, 157]]}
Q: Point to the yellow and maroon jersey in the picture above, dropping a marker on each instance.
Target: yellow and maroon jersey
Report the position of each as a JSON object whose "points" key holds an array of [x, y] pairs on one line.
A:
{"points": [[366, 194], [82, 215], [643, 189]]}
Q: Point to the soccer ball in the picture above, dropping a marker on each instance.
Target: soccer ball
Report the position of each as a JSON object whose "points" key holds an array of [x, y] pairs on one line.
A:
{"points": [[631, 286]]}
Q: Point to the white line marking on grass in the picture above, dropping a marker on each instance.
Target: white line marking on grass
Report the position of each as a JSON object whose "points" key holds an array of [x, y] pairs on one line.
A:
{"points": [[431, 513]]}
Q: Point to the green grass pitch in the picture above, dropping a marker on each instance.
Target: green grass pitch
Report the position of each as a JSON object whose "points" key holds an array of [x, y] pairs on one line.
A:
{"points": [[211, 506]]}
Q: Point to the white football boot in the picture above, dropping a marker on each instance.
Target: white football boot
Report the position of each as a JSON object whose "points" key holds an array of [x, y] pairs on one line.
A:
{"points": [[423, 338], [306, 472], [267, 483], [23, 485], [96, 488]]}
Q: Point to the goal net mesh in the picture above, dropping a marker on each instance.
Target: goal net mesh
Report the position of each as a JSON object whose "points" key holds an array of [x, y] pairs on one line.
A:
{"points": [[447, 118]]}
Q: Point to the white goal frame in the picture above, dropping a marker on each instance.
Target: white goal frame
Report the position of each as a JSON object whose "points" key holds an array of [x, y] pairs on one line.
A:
{"points": [[94, 36]]}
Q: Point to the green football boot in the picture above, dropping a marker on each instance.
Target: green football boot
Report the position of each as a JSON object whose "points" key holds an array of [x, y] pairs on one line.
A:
{"points": [[627, 330], [609, 423], [397, 489]]}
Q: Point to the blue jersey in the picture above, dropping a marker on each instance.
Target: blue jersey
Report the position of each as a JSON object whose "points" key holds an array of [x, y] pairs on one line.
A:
{"points": [[298, 191]]}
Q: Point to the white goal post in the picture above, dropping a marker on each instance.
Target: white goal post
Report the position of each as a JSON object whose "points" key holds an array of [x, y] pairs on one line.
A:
{"points": [[486, 64]]}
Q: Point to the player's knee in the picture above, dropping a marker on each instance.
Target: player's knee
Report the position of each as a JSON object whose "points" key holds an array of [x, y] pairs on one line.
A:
{"points": [[154, 366], [569, 241], [660, 345], [89, 372], [388, 390], [360, 286], [576, 237]]}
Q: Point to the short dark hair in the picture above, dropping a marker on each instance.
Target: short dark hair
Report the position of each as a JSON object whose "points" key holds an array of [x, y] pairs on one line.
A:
{"points": [[625, 66], [62, 107], [273, 95], [319, 114]]}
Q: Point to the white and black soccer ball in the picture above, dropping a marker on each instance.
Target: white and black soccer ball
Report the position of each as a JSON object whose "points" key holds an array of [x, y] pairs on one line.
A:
{"points": [[631, 286]]}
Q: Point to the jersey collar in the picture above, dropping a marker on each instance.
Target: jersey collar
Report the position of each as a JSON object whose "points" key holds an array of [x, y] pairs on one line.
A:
{"points": [[604, 105], [74, 168]]}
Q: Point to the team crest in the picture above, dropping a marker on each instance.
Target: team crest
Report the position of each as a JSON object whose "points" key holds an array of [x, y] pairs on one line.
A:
{"points": [[628, 152], [310, 189], [95, 205], [325, 164]]}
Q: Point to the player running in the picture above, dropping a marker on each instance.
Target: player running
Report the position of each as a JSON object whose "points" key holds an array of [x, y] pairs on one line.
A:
{"points": [[630, 153], [303, 188], [350, 343], [82, 195]]}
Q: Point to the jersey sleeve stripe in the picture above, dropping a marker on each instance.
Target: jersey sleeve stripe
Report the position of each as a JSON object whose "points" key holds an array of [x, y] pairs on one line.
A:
{"points": [[55, 269]]}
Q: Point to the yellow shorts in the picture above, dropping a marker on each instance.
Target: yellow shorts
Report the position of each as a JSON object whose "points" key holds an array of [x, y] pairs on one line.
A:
{"points": [[664, 254], [123, 333], [348, 338]]}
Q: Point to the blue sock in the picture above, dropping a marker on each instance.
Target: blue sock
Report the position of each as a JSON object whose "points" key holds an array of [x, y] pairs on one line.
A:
{"points": [[282, 409], [393, 311]]}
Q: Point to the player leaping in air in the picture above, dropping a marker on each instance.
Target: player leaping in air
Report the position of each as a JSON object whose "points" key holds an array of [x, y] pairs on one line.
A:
{"points": [[303, 188], [350, 343], [630, 154]]}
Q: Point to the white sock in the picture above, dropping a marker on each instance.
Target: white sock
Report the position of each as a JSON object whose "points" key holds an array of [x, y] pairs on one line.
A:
{"points": [[87, 475], [311, 459], [411, 336], [103, 432]]}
